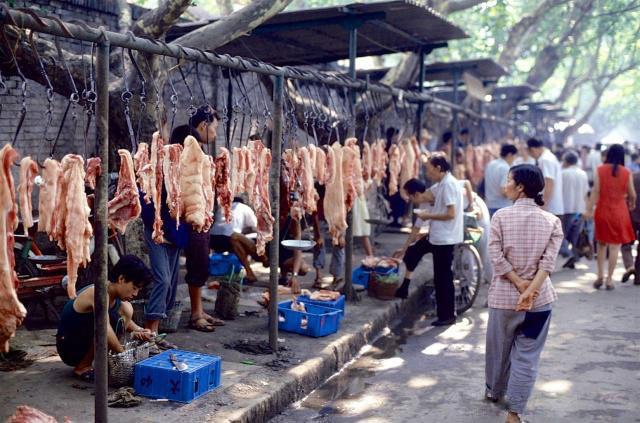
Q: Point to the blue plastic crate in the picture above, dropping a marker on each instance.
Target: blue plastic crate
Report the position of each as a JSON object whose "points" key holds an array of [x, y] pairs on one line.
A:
{"points": [[320, 321], [224, 264], [337, 304], [156, 377], [361, 274]]}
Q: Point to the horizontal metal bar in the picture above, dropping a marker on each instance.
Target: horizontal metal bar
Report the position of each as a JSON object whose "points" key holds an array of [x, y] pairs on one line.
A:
{"points": [[96, 35]]}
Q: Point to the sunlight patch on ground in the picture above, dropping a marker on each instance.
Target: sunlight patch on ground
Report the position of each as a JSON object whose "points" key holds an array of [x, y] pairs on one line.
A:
{"points": [[419, 382], [435, 348], [373, 420], [555, 387], [365, 403], [389, 363], [456, 332]]}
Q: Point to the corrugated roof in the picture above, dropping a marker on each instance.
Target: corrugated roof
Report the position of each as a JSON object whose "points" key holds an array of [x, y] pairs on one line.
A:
{"points": [[484, 69], [321, 35]]}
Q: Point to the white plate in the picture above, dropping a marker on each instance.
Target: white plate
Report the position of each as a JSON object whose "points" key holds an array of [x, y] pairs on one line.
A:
{"points": [[297, 244]]}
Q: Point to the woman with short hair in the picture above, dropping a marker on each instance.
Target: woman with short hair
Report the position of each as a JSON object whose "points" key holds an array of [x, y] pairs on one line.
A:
{"points": [[523, 246]]}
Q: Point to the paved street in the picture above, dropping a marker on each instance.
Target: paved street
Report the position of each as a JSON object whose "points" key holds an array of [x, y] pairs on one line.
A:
{"points": [[589, 372]]}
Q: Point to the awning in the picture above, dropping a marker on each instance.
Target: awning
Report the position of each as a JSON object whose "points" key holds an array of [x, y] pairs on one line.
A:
{"points": [[322, 35]]}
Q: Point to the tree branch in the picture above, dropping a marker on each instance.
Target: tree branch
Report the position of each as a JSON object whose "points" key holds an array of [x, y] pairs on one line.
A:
{"points": [[155, 23], [459, 5], [230, 27], [521, 32]]}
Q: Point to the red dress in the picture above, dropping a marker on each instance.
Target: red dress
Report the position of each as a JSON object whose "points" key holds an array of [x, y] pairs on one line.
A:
{"points": [[613, 224]]}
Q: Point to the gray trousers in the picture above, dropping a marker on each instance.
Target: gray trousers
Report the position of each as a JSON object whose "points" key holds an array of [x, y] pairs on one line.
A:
{"points": [[514, 342]]}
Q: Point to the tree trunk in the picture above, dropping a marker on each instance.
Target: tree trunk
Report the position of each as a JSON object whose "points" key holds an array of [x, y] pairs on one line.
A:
{"points": [[572, 129]]}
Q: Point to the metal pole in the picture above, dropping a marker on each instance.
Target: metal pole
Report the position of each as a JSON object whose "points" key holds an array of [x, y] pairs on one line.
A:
{"points": [[420, 90], [100, 254], [454, 129], [274, 181], [348, 290]]}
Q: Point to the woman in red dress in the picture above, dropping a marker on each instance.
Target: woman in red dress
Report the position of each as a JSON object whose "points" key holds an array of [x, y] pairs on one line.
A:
{"points": [[612, 192]]}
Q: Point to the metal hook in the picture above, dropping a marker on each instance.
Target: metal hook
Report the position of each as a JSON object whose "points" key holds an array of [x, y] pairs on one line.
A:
{"points": [[173, 98]]}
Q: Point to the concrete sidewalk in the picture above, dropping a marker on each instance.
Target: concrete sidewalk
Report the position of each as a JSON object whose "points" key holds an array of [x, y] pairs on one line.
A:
{"points": [[249, 392]]}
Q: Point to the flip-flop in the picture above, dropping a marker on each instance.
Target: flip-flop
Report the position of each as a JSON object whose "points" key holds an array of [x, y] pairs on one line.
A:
{"points": [[207, 327], [86, 376]]}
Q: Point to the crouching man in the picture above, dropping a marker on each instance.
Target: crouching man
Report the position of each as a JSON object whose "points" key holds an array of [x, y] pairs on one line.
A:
{"points": [[75, 337]]}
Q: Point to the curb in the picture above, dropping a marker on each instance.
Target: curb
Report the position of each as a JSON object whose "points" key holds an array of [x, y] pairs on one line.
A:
{"points": [[306, 377]]}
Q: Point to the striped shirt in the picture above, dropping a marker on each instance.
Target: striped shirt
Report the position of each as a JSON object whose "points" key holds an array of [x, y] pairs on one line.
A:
{"points": [[524, 238]]}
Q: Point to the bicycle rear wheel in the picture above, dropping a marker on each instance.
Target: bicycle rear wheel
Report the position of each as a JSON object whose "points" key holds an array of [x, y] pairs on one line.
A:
{"points": [[467, 276]]}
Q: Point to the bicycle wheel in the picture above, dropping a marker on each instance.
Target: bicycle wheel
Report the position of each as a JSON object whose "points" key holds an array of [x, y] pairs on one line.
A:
{"points": [[467, 276]]}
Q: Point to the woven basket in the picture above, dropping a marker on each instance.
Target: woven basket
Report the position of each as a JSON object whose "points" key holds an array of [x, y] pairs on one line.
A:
{"points": [[122, 365], [381, 290]]}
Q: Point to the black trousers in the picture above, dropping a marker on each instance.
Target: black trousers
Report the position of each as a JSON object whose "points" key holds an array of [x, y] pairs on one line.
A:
{"points": [[442, 272]]}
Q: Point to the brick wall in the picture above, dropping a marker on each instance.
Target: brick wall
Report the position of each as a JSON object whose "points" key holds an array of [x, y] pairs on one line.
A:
{"points": [[31, 140]]}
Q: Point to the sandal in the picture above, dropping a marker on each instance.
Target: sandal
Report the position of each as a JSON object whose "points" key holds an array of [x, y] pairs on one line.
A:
{"points": [[598, 283], [212, 320], [610, 287], [88, 376], [202, 327]]}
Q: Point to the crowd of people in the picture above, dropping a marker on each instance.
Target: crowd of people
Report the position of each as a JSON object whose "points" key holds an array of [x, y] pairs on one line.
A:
{"points": [[541, 203], [533, 204]]}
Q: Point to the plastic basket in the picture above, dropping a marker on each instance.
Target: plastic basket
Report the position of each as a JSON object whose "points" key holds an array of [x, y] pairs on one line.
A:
{"points": [[224, 264], [337, 304], [122, 365], [361, 275], [156, 377], [316, 321]]}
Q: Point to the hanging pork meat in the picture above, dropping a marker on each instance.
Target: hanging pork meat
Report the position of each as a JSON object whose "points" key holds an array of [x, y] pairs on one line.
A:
{"points": [[47, 197], [367, 163], [321, 166], [208, 182], [192, 184], [171, 171], [12, 312], [307, 190], [28, 173], [416, 151], [334, 202], [73, 230], [262, 204], [395, 166], [223, 182], [408, 165], [94, 167], [144, 171], [157, 158], [356, 168], [125, 205]]}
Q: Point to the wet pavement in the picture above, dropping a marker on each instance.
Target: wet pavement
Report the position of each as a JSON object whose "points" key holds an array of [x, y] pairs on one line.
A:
{"points": [[589, 372]]}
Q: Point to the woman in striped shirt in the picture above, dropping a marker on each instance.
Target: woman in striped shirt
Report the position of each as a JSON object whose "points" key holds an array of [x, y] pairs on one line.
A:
{"points": [[523, 247]]}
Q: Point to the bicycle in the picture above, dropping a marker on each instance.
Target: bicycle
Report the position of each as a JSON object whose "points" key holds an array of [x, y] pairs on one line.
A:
{"points": [[467, 266]]}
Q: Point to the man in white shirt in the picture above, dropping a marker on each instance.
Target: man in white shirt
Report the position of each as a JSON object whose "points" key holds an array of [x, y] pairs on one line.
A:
{"points": [[445, 231], [495, 178], [552, 171], [594, 159], [575, 187], [230, 237]]}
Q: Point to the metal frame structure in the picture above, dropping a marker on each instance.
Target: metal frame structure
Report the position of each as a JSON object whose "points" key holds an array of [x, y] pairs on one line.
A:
{"points": [[105, 40]]}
